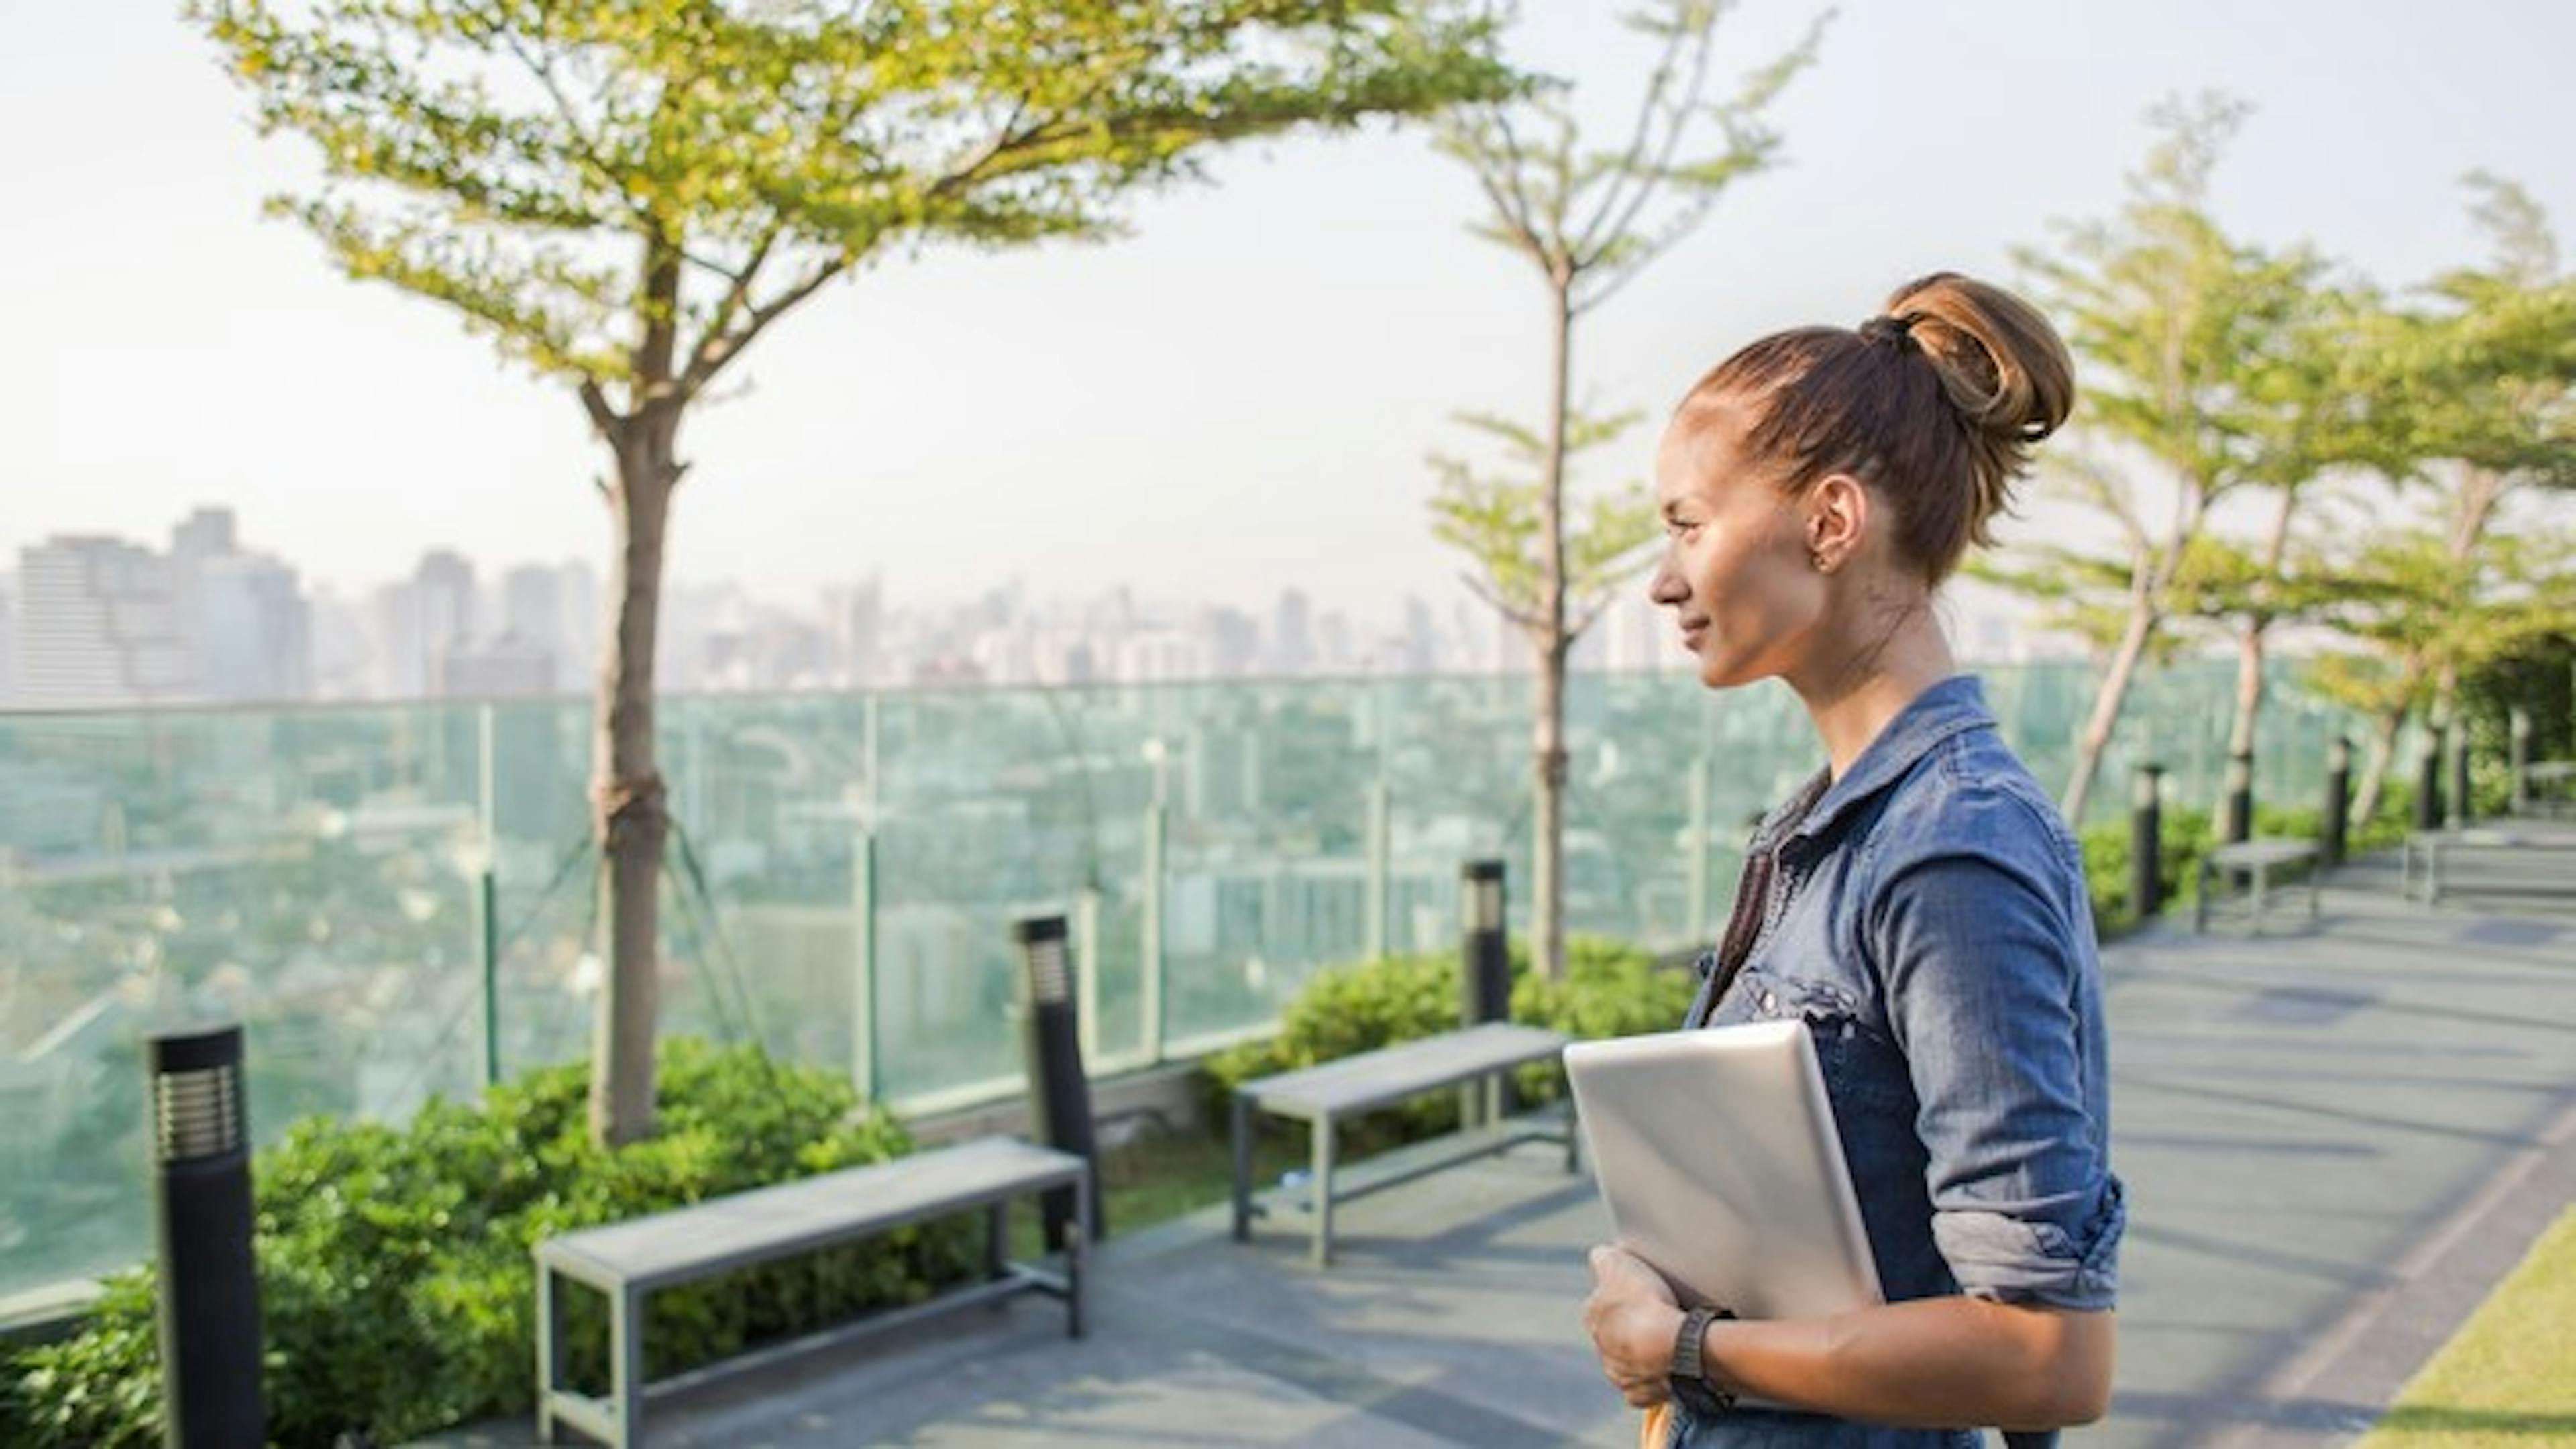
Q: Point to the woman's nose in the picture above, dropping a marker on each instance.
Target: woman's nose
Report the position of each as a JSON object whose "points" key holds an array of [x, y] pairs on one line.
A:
{"points": [[1666, 586]]}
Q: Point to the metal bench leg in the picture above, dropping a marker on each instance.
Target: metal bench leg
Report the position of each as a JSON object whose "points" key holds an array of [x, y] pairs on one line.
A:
{"points": [[1242, 1168], [626, 1365], [1077, 1255], [549, 1352], [2262, 877], [1323, 1189], [997, 1240]]}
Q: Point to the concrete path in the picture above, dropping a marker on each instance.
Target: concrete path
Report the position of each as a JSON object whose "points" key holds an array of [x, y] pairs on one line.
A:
{"points": [[2336, 1139]]}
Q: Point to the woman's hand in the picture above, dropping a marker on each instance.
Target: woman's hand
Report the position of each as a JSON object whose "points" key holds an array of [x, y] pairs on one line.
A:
{"points": [[1633, 1318]]}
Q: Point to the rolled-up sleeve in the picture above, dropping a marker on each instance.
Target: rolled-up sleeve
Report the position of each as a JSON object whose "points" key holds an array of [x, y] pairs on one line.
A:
{"points": [[1995, 1000]]}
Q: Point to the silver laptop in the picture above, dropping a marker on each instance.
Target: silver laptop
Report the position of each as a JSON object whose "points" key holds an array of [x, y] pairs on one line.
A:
{"points": [[1716, 1153]]}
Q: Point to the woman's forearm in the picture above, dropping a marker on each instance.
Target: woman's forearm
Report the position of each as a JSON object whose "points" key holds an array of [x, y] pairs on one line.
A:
{"points": [[1934, 1362]]}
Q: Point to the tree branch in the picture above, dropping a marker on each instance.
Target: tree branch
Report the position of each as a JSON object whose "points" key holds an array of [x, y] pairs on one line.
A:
{"points": [[595, 402], [1527, 620], [1593, 234]]}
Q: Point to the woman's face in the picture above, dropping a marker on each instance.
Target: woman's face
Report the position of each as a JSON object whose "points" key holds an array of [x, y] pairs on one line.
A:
{"points": [[1736, 571]]}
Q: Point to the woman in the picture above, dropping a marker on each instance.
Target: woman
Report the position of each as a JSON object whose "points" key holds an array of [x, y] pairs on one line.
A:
{"points": [[1920, 904]]}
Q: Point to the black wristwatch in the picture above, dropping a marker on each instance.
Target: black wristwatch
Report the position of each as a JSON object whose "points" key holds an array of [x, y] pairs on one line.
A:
{"points": [[1689, 1377]]}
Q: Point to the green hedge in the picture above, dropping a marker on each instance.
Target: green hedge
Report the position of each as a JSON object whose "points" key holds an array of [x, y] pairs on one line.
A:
{"points": [[396, 1289], [1610, 988], [2191, 834]]}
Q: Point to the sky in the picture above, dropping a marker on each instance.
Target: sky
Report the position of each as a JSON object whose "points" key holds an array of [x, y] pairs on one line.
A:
{"points": [[1237, 398]]}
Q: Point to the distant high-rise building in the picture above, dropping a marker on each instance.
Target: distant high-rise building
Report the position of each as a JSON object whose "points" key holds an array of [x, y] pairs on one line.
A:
{"points": [[254, 630], [343, 660], [1292, 641], [8, 636], [577, 663], [505, 668], [421, 621], [1421, 640], [532, 606], [857, 617], [1233, 643], [206, 533], [447, 613], [101, 625]]}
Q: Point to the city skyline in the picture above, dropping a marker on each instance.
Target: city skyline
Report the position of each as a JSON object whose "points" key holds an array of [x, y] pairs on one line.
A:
{"points": [[90, 620], [1236, 400]]}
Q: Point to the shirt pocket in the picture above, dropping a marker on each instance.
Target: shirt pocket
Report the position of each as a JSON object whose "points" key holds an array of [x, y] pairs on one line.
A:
{"points": [[1861, 1065]]}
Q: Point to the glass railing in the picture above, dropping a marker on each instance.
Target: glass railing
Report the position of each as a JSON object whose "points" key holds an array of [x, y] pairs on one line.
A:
{"points": [[845, 875]]}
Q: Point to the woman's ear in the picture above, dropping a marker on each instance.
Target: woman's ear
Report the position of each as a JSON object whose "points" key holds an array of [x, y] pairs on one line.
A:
{"points": [[1838, 509]]}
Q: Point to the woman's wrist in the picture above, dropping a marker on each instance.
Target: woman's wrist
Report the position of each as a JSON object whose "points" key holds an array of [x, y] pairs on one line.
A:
{"points": [[1656, 1332]]}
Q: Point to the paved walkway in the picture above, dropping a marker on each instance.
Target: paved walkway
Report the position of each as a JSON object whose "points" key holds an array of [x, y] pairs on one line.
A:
{"points": [[2336, 1139]]}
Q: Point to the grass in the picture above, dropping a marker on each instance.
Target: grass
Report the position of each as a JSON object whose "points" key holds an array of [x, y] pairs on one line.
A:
{"points": [[1166, 1174], [2508, 1378]]}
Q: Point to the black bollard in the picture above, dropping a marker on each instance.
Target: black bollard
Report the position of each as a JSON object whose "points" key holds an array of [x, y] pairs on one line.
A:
{"points": [[2428, 783], [1059, 1092], [1484, 965], [210, 1340], [2146, 841], [1484, 957], [2337, 822], [2240, 798], [2460, 802]]}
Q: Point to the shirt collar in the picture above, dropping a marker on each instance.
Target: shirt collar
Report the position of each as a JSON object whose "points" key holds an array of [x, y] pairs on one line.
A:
{"points": [[1953, 706]]}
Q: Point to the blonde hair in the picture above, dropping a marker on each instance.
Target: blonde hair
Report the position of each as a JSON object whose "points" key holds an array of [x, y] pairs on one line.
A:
{"points": [[1937, 404]]}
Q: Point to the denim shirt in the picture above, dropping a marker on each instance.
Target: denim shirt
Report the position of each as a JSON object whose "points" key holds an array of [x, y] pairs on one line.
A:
{"points": [[1926, 916]]}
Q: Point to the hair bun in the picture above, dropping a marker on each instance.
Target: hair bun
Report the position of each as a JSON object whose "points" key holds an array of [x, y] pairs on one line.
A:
{"points": [[2001, 364]]}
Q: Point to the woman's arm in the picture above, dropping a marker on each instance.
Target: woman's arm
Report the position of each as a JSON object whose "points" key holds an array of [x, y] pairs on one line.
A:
{"points": [[1933, 1362]]}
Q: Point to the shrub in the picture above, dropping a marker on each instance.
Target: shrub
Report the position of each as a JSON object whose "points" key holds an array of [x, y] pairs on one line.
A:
{"points": [[396, 1285], [2191, 834], [1610, 988]]}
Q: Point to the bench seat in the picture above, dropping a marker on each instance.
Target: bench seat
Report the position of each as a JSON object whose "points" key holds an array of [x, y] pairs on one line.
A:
{"points": [[1477, 1057], [625, 1261]]}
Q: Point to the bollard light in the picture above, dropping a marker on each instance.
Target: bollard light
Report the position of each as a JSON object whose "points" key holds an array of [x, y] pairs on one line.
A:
{"points": [[2337, 823], [2240, 797], [2459, 760], [1059, 1092], [210, 1338], [2146, 841], [1484, 971], [1485, 962]]}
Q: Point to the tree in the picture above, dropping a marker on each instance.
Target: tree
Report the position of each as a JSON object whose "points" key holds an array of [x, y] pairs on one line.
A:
{"points": [[2425, 611], [2183, 331], [2309, 407], [2482, 380], [1588, 221], [625, 195]]}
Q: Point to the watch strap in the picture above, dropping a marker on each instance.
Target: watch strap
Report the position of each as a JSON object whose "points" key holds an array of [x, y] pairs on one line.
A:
{"points": [[1688, 1372]]}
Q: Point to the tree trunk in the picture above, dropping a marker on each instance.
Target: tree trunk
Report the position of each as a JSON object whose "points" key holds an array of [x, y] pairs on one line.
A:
{"points": [[2249, 643], [1547, 848], [626, 786], [2107, 700], [2374, 770]]}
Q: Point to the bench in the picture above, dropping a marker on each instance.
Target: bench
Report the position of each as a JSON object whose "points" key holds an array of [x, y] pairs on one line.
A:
{"points": [[2256, 859], [2547, 788], [1324, 1095], [625, 1261], [2433, 845]]}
